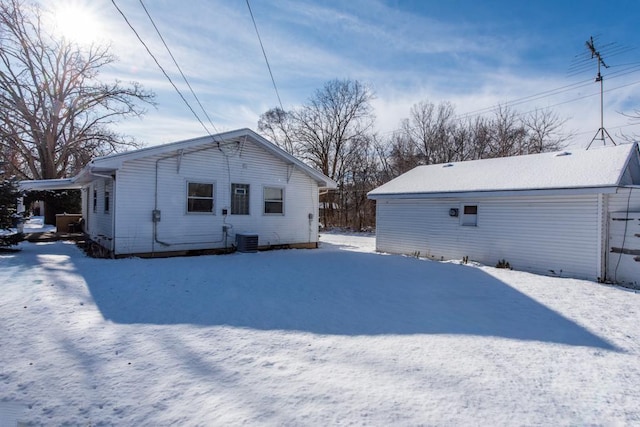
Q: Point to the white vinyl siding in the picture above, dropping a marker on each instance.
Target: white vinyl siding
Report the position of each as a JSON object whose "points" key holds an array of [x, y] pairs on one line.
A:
{"points": [[248, 163], [625, 198], [543, 234]]}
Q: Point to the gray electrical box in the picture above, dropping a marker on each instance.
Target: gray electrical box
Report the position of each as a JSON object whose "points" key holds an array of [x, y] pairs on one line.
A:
{"points": [[247, 242]]}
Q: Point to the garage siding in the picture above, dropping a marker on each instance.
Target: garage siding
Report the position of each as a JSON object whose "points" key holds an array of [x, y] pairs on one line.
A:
{"points": [[542, 234]]}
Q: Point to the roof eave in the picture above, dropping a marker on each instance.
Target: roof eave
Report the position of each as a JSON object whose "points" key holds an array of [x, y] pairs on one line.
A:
{"points": [[495, 193], [116, 161], [49, 184]]}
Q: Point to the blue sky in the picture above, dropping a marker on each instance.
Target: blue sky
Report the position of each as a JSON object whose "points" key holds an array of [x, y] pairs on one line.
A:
{"points": [[474, 54]]}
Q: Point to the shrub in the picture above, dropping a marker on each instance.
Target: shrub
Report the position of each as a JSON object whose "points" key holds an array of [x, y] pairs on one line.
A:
{"points": [[503, 264]]}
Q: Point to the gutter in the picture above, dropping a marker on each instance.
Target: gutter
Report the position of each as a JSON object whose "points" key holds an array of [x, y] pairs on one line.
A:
{"points": [[495, 193]]}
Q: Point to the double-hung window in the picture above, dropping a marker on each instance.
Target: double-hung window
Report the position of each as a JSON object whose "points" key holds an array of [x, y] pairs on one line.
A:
{"points": [[273, 201], [239, 199], [200, 197]]}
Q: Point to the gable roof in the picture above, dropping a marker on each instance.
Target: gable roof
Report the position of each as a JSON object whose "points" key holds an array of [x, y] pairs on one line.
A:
{"points": [[115, 161], [576, 170]]}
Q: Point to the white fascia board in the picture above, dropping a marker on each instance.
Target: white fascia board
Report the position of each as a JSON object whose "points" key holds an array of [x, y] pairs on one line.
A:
{"points": [[508, 193], [49, 184]]}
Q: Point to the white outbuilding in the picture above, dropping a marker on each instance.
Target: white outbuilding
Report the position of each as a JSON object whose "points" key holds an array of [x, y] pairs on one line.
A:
{"points": [[573, 213], [234, 189]]}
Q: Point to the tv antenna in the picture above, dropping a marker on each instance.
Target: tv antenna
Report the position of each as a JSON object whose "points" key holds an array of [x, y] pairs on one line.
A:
{"points": [[600, 133]]}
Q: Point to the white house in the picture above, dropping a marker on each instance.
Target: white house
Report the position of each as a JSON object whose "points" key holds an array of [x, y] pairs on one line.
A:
{"points": [[200, 194], [573, 213]]}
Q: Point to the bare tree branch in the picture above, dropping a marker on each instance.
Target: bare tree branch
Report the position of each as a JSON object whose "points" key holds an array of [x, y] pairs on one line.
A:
{"points": [[54, 110]]}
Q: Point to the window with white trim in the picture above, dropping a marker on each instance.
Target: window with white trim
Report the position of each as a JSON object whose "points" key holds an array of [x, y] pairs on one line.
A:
{"points": [[469, 215], [200, 197], [273, 201], [239, 199], [95, 200]]}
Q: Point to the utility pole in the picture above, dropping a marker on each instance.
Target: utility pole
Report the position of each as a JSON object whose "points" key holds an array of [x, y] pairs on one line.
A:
{"points": [[602, 131]]}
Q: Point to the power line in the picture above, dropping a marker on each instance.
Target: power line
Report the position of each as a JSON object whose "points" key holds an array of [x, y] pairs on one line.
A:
{"points": [[178, 66], [552, 92], [160, 67], [525, 99], [264, 53], [560, 90]]}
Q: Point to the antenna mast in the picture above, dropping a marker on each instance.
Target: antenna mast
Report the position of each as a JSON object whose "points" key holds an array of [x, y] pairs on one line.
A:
{"points": [[602, 131]]}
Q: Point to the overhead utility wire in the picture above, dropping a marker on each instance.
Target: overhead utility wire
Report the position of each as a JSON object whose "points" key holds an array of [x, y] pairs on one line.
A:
{"points": [[552, 92], [528, 98], [178, 66], [161, 68], [585, 96], [549, 93], [265, 55]]}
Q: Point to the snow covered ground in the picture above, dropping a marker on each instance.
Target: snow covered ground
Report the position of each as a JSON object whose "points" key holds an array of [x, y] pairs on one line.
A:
{"points": [[339, 335], [32, 225]]}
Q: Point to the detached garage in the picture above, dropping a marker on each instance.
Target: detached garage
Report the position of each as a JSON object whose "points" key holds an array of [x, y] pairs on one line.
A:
{"points": [[572, 213]]}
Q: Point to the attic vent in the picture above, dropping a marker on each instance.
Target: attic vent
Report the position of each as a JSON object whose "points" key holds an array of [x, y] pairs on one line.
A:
{"points": [[564, 153], [447, 165], [247, 242]]}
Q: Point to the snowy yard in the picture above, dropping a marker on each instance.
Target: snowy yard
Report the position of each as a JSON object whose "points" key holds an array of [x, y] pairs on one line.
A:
{"points": [[339, 335]]}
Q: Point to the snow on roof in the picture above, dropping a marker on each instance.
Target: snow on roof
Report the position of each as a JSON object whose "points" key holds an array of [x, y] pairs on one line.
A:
{"points": [[598, 167], [49, 184]]}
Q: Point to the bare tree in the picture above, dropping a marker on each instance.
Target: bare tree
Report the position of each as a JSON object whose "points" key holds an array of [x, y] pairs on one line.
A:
{"points": [[329, 131], [332, 132], [277, 125], [55, 114], [432, 134], [403, 154], [430, 129], [508, 134], [544, 131], [330, 126], [480, 134], [361, 176]]}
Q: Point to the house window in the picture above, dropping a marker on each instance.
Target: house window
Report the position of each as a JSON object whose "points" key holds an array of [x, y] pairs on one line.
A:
{"points": [[106, 202], [239, 199], [199, 197], [273, 200], [469, 215], [95, 200]]}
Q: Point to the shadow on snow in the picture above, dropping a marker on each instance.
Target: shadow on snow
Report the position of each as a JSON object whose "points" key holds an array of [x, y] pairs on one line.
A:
{"points": [[327, 291]]}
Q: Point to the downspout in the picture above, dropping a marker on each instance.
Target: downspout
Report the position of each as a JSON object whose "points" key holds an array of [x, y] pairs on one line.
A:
{"points": [[113, 215], [603, 233]]}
